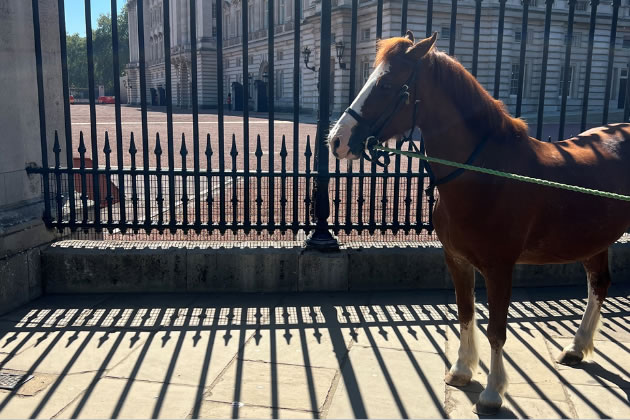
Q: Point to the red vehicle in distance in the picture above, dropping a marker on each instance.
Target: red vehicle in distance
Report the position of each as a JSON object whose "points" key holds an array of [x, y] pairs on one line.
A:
{"points": [[106, 100]]}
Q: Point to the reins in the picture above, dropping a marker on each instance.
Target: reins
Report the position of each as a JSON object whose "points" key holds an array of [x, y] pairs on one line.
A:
{"points": [[508, 175]]}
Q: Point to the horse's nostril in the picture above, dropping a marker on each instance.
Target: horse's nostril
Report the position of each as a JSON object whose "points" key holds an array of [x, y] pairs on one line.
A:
{"points": [[336, 143]]}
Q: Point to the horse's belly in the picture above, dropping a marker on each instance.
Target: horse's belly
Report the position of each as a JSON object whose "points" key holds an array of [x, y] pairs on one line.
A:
{"points": [[577, 242]]}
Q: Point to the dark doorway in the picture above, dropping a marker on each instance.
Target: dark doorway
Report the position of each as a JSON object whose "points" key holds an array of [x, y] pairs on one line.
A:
{"points": [[622, 93], [261, 96], [154, 97], [237, 96], [162, 92]]}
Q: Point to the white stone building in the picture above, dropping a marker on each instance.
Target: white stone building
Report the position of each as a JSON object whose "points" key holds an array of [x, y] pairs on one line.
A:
{"points": [[366, 39]]}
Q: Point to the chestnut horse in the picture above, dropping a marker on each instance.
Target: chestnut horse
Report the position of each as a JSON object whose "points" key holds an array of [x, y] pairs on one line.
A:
{"points": [[486, 222]]}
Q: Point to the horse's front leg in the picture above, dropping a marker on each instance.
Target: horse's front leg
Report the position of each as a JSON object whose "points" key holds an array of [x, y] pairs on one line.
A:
{"points": [[463, 275], [499, 289]]}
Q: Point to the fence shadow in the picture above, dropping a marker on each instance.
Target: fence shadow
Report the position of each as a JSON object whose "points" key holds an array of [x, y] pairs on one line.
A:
{"points": [[284, 354]]}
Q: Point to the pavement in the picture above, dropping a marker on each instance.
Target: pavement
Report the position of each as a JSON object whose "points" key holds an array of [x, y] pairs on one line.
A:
{"points": [[307, 355]]}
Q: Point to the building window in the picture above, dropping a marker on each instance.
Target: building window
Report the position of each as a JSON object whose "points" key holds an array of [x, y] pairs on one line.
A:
{"points": [[581, 6], [365, 34], [279, 86], [517, 36], [626, 42], [250, 59], [577, 39], [365, 72], [281, 11], [250, 18], [571, 78], [238, 61], [514, 79], [279, 55], [445, 33], [265, 14]]}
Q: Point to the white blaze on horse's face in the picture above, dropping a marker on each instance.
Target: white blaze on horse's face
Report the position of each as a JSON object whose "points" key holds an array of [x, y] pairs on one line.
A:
{"points": [[339, 137]]}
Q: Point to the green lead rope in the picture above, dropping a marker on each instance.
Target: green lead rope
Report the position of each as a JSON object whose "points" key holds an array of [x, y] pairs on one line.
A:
{"points": [[507, 175]]}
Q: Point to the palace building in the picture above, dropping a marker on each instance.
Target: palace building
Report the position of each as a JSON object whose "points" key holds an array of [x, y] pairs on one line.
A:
{"points": [[285, 17]]}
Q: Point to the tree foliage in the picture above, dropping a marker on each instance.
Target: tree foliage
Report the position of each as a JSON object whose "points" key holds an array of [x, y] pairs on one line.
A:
{"points": [[102, 48]]}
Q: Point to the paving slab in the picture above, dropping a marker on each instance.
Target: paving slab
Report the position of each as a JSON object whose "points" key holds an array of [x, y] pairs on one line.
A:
{"points": [[220, 410], [460, 404], [181, 357], [593, 402], [387, 383], [69, 352], [274, 385], [37, 401], [307, 346], [121, 398]]}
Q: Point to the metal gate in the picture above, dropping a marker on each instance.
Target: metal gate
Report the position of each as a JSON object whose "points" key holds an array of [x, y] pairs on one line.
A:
{"points": [[263, 182]]}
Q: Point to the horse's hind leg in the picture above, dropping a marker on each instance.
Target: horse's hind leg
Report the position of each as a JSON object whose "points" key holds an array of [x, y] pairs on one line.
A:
{"points": [[463, 275], [499, 289], [598, 277]]}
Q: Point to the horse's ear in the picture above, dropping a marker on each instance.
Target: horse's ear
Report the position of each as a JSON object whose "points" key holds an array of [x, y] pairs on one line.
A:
{"points": [[419, 50], [409, 36]]}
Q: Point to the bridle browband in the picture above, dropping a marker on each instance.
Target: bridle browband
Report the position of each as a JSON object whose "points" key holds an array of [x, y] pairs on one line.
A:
{"points": [[375, 129]]}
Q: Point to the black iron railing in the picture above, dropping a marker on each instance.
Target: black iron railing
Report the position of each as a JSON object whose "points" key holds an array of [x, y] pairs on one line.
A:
{"points": [[289, 186]]}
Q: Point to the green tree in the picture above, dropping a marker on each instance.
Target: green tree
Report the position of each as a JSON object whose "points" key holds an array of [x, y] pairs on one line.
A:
{"points": [[77, 61], [102, 49]]}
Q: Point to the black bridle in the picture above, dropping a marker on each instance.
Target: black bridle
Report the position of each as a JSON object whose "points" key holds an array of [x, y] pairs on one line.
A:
{"points": [[374, 130]]}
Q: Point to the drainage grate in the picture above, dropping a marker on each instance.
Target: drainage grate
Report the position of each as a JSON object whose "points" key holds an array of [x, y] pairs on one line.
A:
{"points": [[12, 380]]}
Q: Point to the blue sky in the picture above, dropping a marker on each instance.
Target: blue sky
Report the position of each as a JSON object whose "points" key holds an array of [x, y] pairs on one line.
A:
{"points": [[75, 13]]}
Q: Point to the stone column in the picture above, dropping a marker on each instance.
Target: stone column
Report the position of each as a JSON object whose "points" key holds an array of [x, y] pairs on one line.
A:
{"points": [[22, 232]]}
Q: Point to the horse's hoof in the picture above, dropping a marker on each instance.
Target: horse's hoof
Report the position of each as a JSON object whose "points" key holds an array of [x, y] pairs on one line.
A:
{"points": [[485, 410], [489, 403], [570, 358], [457, 380]]}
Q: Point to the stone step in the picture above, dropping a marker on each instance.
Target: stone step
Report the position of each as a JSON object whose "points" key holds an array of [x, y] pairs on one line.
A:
{"points": [[75, 266]]}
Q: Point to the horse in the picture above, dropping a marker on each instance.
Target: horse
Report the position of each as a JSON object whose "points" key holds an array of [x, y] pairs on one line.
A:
{"points": [[486, 222]]}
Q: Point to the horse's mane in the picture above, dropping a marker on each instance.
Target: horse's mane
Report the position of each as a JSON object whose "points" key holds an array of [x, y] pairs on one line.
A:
{"points": [[482, 113]]}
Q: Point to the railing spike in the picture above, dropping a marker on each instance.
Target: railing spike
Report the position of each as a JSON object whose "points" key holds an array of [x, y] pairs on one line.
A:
{"points": [[308, 152], [132, 146], [283, 149], [158, 147], [107, 150], [56, 147], [233, 151], [259, 151], [81, 143], [208, 146], [183, 151]]}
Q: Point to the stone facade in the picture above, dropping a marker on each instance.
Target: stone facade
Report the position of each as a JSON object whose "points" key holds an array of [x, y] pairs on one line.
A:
{"points": [[22, 231], [366, 38], [180, 53]]}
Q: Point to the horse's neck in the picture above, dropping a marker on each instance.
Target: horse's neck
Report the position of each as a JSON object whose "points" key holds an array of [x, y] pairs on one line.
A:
{"points": [[446, 134]]}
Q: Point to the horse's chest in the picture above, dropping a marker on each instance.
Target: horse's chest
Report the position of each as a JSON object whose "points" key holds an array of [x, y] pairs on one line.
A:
{"points": [[476, 234]]}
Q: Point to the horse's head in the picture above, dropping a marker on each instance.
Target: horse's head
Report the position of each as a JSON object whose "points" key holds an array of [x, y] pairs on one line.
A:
{"points": [[384, 106]]}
